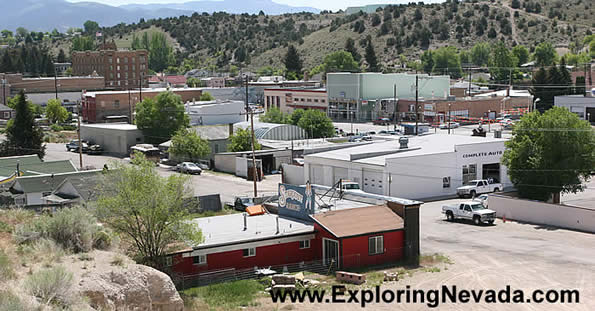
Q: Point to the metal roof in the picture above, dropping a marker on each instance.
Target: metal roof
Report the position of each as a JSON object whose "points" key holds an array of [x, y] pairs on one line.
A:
{"points": [[274, 131], [50, 182], [31, 165], [358, 221]]}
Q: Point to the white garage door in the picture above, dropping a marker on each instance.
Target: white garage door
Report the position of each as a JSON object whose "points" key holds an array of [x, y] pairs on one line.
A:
{"points": [[373, 182], [340, 173], [316, 174]]}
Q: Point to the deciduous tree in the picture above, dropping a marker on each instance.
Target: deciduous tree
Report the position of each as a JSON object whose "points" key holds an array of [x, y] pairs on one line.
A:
{"points": [[55, 112], [160, 117], [316, 124], [549, 154], [241, 140], [187, 145], [148, 209]]}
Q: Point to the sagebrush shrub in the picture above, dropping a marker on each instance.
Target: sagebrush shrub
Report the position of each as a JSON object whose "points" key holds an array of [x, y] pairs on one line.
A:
{"points": [[51, 286]]}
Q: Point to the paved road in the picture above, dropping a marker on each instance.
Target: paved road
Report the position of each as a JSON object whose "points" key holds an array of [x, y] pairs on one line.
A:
{"points": [[228, 186]]}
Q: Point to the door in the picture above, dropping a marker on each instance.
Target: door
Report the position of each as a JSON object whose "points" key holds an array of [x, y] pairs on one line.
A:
{"points": [[467, 213], [330, 252], [372, 182]]}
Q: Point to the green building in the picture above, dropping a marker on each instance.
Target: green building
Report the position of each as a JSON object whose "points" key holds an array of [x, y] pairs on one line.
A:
{"points": [[368, 96]]}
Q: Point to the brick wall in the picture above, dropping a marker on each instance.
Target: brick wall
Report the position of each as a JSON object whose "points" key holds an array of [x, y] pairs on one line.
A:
{"points": [[46, 85], [121, 69]]}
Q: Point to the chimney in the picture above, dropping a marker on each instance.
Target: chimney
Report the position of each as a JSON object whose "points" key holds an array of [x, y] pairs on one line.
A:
{"points": [[277, 219], [403, 141], [245, 221]]}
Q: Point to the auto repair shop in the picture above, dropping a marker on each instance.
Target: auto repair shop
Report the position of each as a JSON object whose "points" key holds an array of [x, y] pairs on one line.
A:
{"points": [[423, 167]]}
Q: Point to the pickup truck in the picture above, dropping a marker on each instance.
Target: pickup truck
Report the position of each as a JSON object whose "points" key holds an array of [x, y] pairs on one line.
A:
{"points": [[349, 186], [478, 186], [469, 210]]}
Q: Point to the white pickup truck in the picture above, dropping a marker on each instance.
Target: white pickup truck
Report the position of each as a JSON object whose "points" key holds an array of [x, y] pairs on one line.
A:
{"points": [[478, 186], [470, 210]]}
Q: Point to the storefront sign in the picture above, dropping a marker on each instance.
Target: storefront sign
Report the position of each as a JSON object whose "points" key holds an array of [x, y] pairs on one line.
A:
{"points": [[428, 107], [483, 154], [296, 201]]}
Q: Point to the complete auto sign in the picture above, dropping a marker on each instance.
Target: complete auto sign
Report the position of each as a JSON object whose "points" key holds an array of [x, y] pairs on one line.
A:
{"points": [[296, 201]]}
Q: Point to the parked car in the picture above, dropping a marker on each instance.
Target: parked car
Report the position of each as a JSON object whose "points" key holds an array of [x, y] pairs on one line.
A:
{"points": [[188, 168], [73, 145], [469, 210], [478, 186], [483, 199], [366, 138], [383, 132], [94, 149], [349, 186], [381, 121], [298, 161], [453, 125]]}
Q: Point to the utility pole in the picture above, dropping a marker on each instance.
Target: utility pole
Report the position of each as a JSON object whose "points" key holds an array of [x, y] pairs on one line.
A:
{"points": [[129, 106], [4, 90], [469, 92], [416, 104], [254, 169], [449, 119], [140, 87], [78, 132], [396, 105], [56, 81], [247, 104]]}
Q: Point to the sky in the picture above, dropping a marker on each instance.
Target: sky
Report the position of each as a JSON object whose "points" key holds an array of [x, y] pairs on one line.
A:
{"points": [[323, 5]]}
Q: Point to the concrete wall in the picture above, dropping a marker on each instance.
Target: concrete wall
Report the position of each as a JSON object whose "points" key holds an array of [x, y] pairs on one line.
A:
{"points": [[576, 218], [293, 174], [288, 100], [225, 162]]}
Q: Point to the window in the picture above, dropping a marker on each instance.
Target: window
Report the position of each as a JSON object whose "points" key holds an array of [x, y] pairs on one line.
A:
{"points": [[323, 100], [168, 261], [249, 252], [118, 60], [199, 260], [446, 182], [469, 173], [133, 60], [118, 68], [304, 244], [309, 100], [316, 100], [125, 60], [376, 245], [110, 60], [6, 114], [117, 104]]}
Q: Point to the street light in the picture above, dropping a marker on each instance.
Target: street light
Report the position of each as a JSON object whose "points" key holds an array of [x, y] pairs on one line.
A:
{"points": [[535, 103]]}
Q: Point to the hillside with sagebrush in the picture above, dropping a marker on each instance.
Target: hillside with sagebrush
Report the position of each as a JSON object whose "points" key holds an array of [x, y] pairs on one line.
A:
{"points": [[399, 32]]}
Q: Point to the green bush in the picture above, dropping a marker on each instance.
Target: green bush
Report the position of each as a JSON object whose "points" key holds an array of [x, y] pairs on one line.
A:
{"points": [[72, 228], [102, 239], [51, 286], [10, 302], [4, 227], [68, 127], [6, 268], [56, 128]]}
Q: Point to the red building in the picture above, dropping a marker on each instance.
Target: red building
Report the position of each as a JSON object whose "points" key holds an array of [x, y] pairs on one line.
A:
{"points": [[357, 237]]}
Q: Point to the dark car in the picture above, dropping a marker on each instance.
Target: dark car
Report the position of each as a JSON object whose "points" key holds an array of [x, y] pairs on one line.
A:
{"points": [[381, 121], [73, 145], [241, 203]]}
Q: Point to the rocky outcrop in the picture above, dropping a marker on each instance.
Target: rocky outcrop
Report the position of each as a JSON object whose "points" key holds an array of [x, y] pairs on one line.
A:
{"points": [[133, 287]]}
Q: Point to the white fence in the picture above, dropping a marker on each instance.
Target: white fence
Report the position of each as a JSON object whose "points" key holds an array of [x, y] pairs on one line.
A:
{"points": [[563, 216], [293, 174]]}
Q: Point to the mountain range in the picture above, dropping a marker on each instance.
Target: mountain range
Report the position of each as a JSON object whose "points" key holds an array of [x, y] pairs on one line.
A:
{"points": [[45, 15]]}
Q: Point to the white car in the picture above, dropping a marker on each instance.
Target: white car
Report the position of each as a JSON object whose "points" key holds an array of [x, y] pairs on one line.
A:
{"points": [[483, 199], [453, 125], [469, 210], [189, 168]]}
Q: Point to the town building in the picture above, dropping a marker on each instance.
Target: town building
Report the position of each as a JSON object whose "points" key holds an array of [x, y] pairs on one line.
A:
{"points": [[61, 68], [215, 112], [355, 96], [216, 135], [289, 99], [583, 106], [32, 165], [213, 82], [61, 189], [121, 69], [422, 167], [15, 83], [114, 138], [6, 113], [302, 231], [98, 107]]}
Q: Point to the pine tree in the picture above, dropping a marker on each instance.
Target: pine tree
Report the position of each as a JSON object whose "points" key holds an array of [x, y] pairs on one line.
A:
{"points": [[538, 91], [23, 136], [371, 58], [293, 63], [350, 47], [565, 78]]}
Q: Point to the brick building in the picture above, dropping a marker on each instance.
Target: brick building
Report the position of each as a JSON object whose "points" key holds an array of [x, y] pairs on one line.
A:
{"points": [[289, 99], [15, 83], [98, 107], [121, 69]]}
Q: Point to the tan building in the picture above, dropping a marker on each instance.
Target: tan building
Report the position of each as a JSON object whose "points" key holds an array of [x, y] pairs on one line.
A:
{"points": [[100, 107], [289, 99], [121, 69], [15, 83]]}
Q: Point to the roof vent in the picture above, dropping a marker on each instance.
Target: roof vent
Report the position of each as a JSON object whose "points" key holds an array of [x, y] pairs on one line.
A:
{"points": [[404, 141]]}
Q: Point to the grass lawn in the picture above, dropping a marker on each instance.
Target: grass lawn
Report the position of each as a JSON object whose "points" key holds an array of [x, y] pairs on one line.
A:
{"points": [[224, 296]]}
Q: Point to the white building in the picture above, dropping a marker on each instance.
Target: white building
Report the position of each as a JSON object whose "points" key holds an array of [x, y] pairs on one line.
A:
{"points": [[583, 106], [115, 138], [215, 112], [429, 166]]}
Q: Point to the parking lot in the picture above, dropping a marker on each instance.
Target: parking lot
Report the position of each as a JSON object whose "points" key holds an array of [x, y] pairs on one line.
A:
{"points": [[465, 130]]}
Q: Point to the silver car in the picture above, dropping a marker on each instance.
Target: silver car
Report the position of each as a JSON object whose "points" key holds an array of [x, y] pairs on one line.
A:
{"points": [[188, 168]]}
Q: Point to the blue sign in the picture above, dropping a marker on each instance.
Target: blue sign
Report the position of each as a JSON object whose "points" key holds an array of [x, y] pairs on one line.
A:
{"points": [[296, 201]]}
